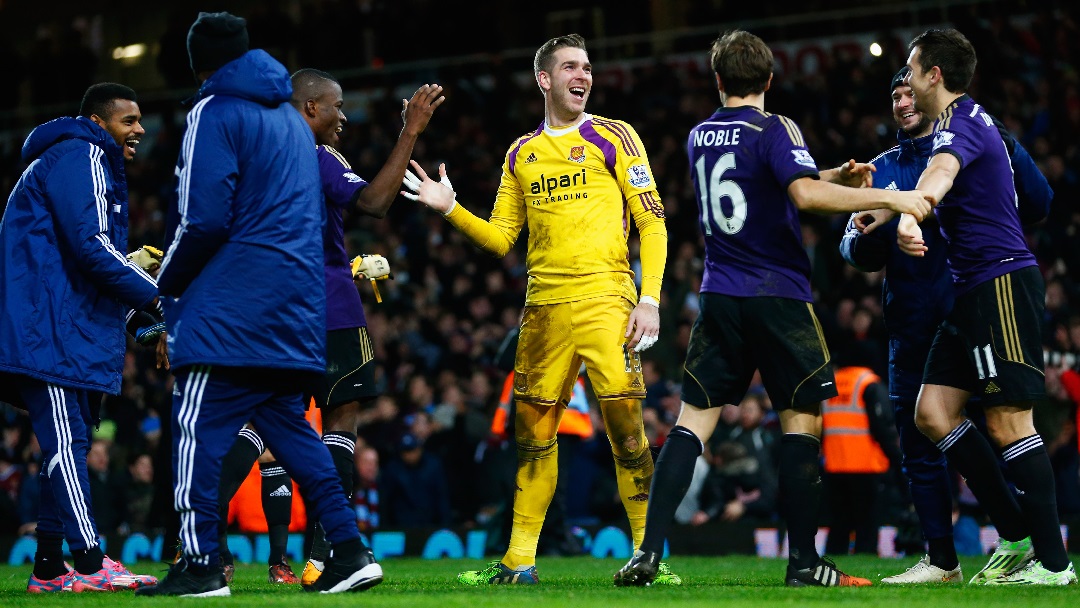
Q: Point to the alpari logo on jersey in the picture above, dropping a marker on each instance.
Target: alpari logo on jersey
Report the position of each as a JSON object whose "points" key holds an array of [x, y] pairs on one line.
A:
{"points": [[577, 154], [530, 159], [549, 185], [352, 177], [942, 139], [803, 158], [639, 176]]}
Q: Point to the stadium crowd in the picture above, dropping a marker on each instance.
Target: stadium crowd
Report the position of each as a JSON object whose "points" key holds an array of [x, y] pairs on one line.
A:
{"points": [[442, 319]]}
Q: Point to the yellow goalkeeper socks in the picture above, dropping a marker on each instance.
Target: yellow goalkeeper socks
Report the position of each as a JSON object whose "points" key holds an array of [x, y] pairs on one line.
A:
{"points": [[538, 471], [634, 476], [633, 461]]}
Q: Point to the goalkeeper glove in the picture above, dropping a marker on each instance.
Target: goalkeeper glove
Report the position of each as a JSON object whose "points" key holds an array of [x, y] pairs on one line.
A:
{"points": [[148, 258], [373, 267], [413, 183]]}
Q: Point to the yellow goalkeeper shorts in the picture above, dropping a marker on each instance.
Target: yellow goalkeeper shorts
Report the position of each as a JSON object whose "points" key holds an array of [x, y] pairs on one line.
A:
{"points": [[556, 338]]}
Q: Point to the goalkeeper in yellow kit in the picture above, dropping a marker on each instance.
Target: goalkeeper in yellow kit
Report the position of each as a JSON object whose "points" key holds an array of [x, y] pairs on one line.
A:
{"points": [[577, 180]]}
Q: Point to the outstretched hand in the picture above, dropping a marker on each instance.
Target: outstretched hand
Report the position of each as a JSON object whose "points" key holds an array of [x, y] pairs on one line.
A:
{"points": [[857, 175], [439, 196], [416, 112]]}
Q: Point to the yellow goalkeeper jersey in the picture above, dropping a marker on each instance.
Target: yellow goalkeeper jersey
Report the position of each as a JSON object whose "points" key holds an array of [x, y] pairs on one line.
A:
{"points": [[578, 188]]}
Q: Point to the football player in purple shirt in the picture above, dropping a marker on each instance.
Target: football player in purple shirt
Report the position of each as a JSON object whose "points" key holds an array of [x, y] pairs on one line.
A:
{"points": [[350, 373], [990, 344], [752, 175]]}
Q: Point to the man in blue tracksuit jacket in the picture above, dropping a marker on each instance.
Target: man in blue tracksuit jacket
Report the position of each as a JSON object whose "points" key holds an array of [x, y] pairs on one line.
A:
{"points": [[916, 297], [65, 289], [242, 286]]}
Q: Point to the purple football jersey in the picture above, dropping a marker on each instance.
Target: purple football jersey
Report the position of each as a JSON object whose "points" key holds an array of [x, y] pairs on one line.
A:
{"points": [[742, 160], [340, 187], [978, 216]]}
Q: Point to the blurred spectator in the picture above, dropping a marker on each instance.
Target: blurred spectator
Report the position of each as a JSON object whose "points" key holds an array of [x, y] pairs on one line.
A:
{"points": [[138, 495], [106, 489], [413, 489], [29, 497], [11, 475], [737, 485], [742, 480], [366, 494]]}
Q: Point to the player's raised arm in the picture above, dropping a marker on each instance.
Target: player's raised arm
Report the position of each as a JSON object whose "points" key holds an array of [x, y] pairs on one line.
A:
{"points": [[376, 198], [495, 236]]}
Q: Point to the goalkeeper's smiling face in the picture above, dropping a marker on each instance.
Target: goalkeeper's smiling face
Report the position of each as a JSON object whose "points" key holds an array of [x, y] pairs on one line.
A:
{"points": [[329, 119], [569, 84]]}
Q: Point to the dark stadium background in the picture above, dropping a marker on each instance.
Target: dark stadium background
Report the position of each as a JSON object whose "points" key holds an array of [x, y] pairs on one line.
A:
{"points": [[438, 330]]}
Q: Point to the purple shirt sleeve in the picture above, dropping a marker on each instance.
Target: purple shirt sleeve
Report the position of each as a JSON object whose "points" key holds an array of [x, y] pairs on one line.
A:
{"points": [[786, 152], [956, 137], [340, 185]]}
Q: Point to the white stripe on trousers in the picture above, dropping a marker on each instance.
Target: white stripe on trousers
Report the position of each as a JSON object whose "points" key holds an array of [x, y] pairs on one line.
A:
{"points": [[69, 473], [187, 418]]}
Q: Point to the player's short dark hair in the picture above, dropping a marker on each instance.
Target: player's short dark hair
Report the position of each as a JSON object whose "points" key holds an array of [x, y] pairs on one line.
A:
{"points": [[99, 99], [950, 51], [743, 62], [545, 55], [307, 83]]}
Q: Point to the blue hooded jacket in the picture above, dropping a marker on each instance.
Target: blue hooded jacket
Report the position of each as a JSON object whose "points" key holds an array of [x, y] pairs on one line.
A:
{"points": [[244, 266], [918, 293], [65, 283]]}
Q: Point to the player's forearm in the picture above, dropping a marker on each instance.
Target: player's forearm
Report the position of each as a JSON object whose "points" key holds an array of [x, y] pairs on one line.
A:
{"points": [[376, 198], [482, 234], [816, 196], [830, 175], [653, 261], [937, 179], [114, 274], [648, 214], [936, 182]]}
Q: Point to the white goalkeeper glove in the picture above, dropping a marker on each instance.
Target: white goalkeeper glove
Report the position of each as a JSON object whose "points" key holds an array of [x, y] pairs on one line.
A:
{"points": [[148, 258], [371, 267], [413, 183], [374, 268]]}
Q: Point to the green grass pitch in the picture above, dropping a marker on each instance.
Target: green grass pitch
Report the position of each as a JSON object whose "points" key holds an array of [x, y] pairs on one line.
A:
{"points": [[580, 582]]}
